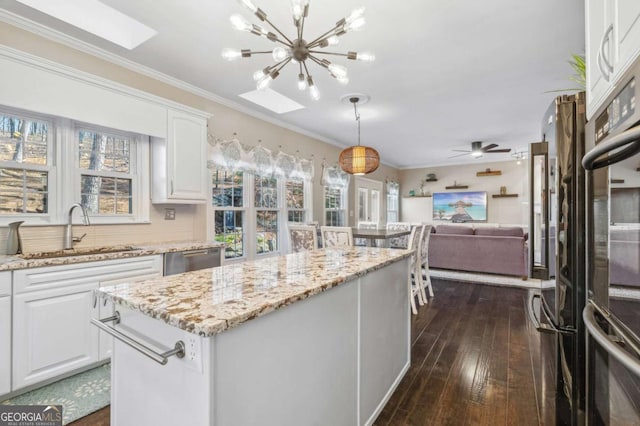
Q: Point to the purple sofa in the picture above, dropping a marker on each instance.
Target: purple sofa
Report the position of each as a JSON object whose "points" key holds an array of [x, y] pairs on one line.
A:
{"points": [[624, 255], [494, 250]]}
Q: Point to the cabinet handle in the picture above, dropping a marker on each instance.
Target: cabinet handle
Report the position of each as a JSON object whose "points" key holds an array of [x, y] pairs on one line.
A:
{"points": [[160, 358], [606, 39], [171, 186], [603, 72]]}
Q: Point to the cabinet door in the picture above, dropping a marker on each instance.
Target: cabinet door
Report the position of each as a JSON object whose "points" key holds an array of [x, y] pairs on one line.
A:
{"points": [[107, 308], [186, 157], [53, 333], [627, 25], [5, 345], [598, 21], [5, 333]]}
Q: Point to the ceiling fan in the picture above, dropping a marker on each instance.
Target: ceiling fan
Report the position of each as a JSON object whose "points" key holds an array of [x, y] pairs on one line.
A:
{"points": [[477, 149]]}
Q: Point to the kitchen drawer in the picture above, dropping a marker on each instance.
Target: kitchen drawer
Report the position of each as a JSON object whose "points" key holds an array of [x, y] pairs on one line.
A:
{"points": [[50, 277]]}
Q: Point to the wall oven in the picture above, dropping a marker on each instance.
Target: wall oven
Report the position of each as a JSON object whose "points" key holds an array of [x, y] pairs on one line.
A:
{"points": [[612, 312]]}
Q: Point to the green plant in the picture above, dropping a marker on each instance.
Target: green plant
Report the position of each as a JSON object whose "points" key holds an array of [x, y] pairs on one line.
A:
{"points": [[579, 66]]}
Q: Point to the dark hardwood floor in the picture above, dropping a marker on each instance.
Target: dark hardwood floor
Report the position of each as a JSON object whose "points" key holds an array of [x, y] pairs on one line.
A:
{"points": [[471, 362]]}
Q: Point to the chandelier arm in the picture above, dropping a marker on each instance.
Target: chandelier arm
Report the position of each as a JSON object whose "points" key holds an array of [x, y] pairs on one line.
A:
{"points": [[306, 70], [322, 37], [283, 62], [317, 61], [322, 52], [278, 31]]}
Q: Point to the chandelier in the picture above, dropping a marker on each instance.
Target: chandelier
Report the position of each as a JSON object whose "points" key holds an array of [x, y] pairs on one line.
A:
{"points": [[296, 49], [359, 159]]}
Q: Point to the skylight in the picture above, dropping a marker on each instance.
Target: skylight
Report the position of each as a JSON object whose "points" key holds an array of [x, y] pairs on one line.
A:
{"points": [[272, 100], [97, 18]]}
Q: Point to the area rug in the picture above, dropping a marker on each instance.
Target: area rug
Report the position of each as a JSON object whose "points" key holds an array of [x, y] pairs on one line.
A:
{"points": [[79, 395]]}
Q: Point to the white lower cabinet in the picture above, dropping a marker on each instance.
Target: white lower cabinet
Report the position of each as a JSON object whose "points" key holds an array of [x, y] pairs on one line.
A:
{"points": [[52, 311], [5, 332]]}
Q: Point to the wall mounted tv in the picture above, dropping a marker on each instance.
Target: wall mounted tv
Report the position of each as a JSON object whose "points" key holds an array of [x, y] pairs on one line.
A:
{"points": [[465, 206]]}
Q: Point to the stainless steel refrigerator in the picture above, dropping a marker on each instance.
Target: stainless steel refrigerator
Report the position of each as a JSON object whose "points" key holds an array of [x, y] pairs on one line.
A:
{"points": [[612, 312], [557, 257]]}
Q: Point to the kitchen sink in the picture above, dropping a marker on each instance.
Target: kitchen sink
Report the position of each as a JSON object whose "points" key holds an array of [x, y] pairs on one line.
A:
{"points": [[76, 252]]}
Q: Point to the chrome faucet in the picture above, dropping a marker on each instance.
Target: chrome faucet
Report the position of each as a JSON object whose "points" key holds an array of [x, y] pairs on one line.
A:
{"points": [[69, 239]]}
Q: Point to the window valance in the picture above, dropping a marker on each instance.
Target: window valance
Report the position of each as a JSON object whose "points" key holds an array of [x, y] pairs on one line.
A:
{"points": [[334, 177], [232, 154]]}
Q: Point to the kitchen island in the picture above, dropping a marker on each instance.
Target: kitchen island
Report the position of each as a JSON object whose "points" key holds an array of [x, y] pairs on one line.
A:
{"points": [[312, 338]]}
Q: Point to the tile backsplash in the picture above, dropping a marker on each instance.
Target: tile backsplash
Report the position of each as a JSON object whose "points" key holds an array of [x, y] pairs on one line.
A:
{"points": [[189, 225]]}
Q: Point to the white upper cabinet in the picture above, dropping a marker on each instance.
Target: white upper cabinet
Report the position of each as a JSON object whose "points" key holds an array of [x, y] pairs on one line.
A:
{"points": [[179, 162], [612, 42]]}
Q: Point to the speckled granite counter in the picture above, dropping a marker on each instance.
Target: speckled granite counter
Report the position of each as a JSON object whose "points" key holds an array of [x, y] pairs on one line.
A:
{"points": [[79, 255], [209, 301]]}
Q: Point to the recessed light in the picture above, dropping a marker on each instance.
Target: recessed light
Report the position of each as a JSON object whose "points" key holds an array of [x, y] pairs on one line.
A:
{"points": [[272, 100], [96, 18]]}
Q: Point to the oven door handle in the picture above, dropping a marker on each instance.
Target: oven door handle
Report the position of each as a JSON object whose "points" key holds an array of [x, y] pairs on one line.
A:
{"points": [[543, 328], [605, 341], [630, 137]]}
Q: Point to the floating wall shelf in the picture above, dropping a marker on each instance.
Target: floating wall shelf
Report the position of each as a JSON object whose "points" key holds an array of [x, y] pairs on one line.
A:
{"points": [[489, 172], [431, 180], [457, 187], [418, 196], [504, 195]]}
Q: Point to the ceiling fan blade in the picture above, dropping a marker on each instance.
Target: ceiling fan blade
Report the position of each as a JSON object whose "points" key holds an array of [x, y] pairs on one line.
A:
{"points": [[459, 155], [460, 150], [488, 147], [493, 151]]}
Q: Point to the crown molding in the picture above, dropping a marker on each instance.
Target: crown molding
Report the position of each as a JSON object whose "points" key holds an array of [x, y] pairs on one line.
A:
{"points": [[72, 42]]}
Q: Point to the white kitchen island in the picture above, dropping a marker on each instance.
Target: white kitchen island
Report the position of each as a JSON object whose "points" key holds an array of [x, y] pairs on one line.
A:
{"points": [[312, 338]]}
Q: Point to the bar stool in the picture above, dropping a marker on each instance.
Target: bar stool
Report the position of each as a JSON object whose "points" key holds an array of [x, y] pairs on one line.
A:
{"points": [[302, 238], [336, 236], [414, 265], [423, 268]]}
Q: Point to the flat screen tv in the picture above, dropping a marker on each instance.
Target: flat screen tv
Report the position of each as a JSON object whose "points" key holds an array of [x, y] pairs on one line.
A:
{"points": [[468, 206]]}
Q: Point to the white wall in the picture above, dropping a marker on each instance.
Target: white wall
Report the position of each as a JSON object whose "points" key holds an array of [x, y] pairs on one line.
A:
{"points": [[504, 211]]}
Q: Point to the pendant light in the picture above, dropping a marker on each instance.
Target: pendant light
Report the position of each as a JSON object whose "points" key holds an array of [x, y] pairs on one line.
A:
{"points": [[359, 159]]}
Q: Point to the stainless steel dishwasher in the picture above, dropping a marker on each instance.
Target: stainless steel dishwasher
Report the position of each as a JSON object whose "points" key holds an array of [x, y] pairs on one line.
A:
{"points": [[191, 260]]}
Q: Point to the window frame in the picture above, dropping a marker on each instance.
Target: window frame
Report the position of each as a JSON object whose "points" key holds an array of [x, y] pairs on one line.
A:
{"points": [[53, 159], [393, 196], [250, 216], [211, 210], [343, 205], [138, 170]]}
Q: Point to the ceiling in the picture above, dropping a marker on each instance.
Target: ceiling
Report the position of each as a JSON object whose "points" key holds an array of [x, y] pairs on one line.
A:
{"points": [[446, 72]]}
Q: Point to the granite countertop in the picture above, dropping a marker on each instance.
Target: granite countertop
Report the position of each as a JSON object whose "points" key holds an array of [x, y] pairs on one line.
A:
{"points": [[79, 255], [209, 301]]}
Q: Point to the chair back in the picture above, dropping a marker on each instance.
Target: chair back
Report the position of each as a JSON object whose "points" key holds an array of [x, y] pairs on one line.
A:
{"points": [[336, 236], [364, 225], [424, 246], [399, 242], [302, 238]]}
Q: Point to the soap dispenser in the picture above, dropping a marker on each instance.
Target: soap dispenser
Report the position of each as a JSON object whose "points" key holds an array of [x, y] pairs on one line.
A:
{"points": [[14, 243]]}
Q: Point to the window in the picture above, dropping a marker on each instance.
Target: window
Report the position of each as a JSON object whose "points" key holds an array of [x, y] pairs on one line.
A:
{"points": [[26, 163], [266, 204], [295, 201], [393, 192], [106, 178], [228, 204], [334, 206], [49, 163]]}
